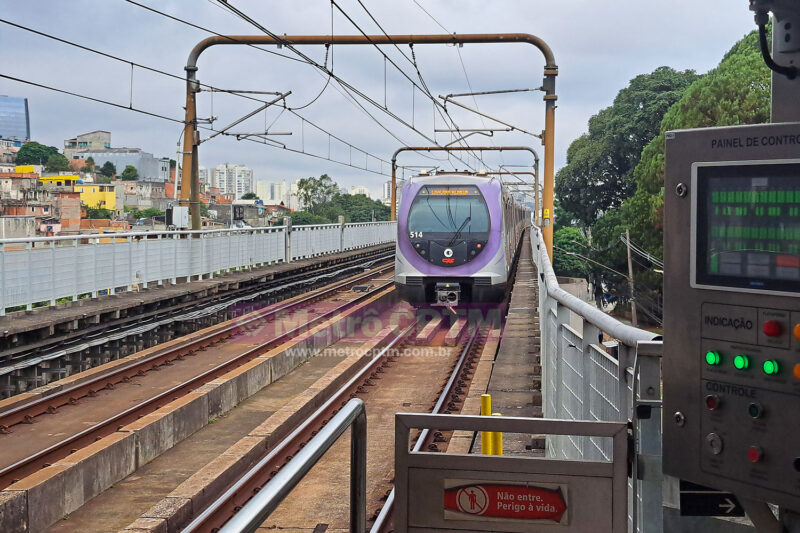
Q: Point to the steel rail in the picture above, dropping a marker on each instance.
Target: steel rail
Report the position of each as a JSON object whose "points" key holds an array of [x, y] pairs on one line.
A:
{"points": [[267, 500], [220, 511], [27, 411], [31, 463], [382, 522]]}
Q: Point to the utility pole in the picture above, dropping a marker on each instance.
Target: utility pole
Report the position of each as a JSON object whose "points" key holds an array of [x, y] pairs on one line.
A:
{"points": [[630, 278]]}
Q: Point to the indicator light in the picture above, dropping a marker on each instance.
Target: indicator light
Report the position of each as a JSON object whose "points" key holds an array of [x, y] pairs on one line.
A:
{"points": [[772, 328], [796, 331], [771, 367], [754, 454], [741, 362], [755, 410], [479, 245], [796, 371], [712, 402], [713, 358]]}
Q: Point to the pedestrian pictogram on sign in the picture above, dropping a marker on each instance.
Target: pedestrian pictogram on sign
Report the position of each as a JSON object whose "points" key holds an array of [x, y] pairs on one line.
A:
{"points": [[472, 500], [505, 501]]}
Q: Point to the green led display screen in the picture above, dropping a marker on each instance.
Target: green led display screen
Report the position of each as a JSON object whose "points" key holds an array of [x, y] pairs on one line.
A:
{"points": [[748, 226]]}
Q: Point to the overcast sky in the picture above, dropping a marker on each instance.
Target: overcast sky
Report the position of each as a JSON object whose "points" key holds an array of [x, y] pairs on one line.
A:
{"points": [[599, 47]]}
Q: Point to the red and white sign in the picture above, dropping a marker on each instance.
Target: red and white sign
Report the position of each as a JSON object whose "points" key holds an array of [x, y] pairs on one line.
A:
{"points": [[518, 502]]}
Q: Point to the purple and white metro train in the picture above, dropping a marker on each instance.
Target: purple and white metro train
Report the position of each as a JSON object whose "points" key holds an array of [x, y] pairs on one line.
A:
{"points": [[457, 236]]}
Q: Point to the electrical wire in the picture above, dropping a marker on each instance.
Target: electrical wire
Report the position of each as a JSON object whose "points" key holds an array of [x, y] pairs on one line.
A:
{"points": [[413, 60], [345, 85], [346, 95]]}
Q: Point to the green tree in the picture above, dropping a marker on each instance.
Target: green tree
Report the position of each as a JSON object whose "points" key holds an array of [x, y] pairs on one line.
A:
{"points": [[57, 163], [314, 192], [303, 218], [108, 169], [566, 241], [99, 212], [250, 196], [33, 153], [600, 164], [90, 163], [735, 92], [150, 212], [130, 173]]}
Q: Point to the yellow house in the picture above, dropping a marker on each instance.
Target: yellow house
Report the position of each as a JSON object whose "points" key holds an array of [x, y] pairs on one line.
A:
{"points": [[60, 181], [97, 195]]}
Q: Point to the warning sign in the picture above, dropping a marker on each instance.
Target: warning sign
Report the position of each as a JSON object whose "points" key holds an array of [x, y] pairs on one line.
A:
{"points": [[505, 501]]}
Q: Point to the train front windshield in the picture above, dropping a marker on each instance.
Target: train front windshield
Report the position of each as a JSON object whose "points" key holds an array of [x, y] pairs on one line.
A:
{"points": [[453, 209]]}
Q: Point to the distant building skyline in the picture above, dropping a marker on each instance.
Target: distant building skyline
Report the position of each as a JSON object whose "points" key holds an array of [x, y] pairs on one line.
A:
{"points": [[15, 122]]}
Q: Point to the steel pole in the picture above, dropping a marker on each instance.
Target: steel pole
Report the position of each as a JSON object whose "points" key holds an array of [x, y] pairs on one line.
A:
{"points": [[189, 136], [548, 215]]}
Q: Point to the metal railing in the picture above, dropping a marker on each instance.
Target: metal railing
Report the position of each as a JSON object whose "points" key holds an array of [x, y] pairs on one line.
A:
{"points": [[37, 270], [254, 512], [584, 378]]}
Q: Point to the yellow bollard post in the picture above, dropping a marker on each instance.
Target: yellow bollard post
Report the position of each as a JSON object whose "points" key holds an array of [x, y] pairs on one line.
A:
{"points": [[486, 436], [497, 440]]}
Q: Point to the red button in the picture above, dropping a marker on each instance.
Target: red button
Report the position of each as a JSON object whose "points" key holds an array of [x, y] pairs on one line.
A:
{"points": [[712, 402], [754, 454], [772, 328]]}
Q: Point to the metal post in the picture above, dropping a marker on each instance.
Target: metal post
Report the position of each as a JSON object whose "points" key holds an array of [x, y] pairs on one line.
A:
{"points": [[549, 157], [341, 233], [254, 512], [630, 278], [287, 236]]}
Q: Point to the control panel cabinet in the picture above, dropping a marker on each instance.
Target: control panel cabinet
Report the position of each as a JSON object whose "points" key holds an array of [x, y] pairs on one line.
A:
{"points": [[731, 366]]}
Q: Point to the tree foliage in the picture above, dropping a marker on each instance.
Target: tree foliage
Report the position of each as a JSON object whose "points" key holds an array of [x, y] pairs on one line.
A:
{"points": [[129, 174], [735, 92], [33, 153], [108, 169], [321, 197], [316, 191], [99, 212], [304, 218], [150, 212], [250, 196], [600, 164], [57, 163], [567, 240]]}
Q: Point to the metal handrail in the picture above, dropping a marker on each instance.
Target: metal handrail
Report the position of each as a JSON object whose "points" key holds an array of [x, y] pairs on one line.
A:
{"points": [[627, 335], [254, 512]]}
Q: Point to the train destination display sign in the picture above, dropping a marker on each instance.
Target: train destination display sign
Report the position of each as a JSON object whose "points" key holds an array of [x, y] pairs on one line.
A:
{"points": [[505, 501], [748, 226]]}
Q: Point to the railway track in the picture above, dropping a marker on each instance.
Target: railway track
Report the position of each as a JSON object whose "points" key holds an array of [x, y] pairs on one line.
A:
{"points": [[229, 335], [21, 357], [390, 382]]}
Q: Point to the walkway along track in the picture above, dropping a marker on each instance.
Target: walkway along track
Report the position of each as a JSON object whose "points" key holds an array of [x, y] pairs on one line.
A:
{"points": [[374, 383], [167, 355]]}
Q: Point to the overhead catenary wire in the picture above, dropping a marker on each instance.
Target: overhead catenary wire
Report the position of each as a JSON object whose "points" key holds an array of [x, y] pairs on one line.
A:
{"points": [[175, 120], [413, 60], [345, 85], [343, 91], [207, 87]]}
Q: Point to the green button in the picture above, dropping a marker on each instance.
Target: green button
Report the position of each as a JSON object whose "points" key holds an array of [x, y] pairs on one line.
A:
{"points": [[741, 362], [771, 367], [713, 358]]}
